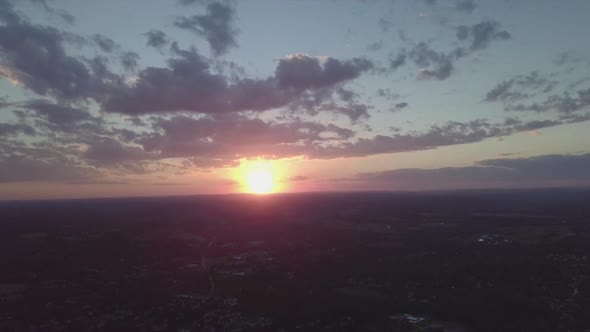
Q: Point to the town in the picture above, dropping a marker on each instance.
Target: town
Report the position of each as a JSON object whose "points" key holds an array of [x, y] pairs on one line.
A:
{"points": [[380, 262]]}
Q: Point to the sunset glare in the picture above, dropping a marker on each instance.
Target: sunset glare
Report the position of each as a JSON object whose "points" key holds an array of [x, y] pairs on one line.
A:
{"points": [[260, 182], [258, 177]]}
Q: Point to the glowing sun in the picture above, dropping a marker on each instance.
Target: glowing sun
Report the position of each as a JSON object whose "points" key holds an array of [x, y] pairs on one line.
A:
{"points": [[259, 176], [260, 181]]}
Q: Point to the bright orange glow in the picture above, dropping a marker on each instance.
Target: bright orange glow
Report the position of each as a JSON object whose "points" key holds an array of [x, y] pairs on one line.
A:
{"points": [[259, 177], [260, 181]]}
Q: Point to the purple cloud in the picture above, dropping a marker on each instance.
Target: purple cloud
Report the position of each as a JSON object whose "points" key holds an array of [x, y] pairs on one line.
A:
{"points": [[541, 171]]}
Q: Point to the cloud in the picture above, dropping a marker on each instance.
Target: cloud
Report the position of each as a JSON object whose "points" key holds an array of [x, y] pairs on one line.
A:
{"points": [[10, 129], [562, 59], [400, 106], [530, 93], [216, 26], [4, 103], [200, 2], [129, 60], [508, 154], [302, 71], [568, 57], [232, 137], [111, 151], [433, 64], [438, 65], [64, 15], [210, 141], [385, 25], [335, 99], [156, 38], [35, 56], [429, 2], [59, 115], [297, 178], [577, 83], [520, 87], [481, 34], [567, 105], [60, 123], [206, 163], [225, 139], [353, 111], [7, 12], [467, 6], [375, 46], [450, 133], [189, 84], [540, 171], [398, 61], [388, 94], [24, 169], [106, 44], [446, 134], [500, 91], [72, 137], [441, 72], [537, 124]]}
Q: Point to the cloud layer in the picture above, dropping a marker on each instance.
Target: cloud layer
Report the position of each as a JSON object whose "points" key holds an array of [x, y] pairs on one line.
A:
{"points": [[543, 171]]}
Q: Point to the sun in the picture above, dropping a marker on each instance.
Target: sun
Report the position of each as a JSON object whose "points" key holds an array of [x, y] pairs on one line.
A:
{"points": [[259, 176], [260, 181]]}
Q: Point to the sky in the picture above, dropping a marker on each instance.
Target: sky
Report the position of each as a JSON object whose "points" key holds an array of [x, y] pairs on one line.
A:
{"points": [[176, 97]]}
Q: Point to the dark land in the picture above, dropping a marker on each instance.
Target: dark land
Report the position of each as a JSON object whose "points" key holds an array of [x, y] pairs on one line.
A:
{"points": [[440, 261]]}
